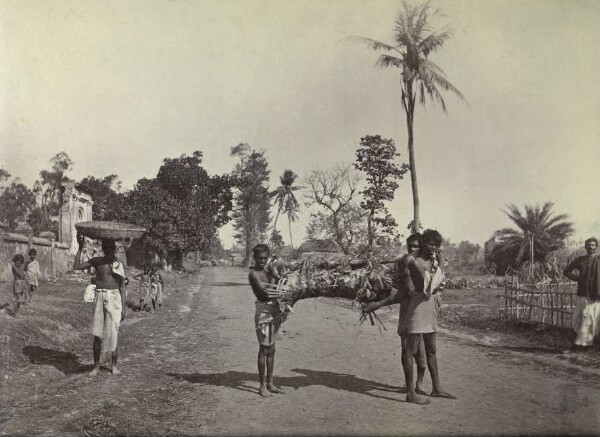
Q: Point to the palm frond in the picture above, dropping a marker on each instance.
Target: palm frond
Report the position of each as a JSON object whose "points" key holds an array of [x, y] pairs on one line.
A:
{"points": [[370, 43], [385, 61], [434, 41]]}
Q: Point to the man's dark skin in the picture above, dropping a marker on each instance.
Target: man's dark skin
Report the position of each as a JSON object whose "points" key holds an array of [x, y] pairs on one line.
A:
{"points": [[423, 262], [259, 277], [104, 279]]}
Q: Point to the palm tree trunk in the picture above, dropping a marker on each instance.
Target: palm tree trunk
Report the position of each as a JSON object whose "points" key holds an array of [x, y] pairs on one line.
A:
{"points": [[410, 118], [290, 229], [276, 218]]}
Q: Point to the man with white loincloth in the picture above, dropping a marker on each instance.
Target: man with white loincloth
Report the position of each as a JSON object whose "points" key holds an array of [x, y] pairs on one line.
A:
{"points": [[267, 317], [586, 315], [421, 315], [109, 303]]}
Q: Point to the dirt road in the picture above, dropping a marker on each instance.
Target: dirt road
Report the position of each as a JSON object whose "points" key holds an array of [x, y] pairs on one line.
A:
{"points": [[191, 369]]}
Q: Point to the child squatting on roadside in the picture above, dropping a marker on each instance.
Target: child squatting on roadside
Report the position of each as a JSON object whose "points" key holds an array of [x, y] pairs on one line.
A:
{"points": [[109, 302], [20, 285], [267, 317]]}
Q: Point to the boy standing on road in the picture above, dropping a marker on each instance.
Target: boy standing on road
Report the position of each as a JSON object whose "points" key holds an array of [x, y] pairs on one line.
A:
{"points": [[421, 319], [404, 286], [109, 303], [33, 273], [267, 318]]}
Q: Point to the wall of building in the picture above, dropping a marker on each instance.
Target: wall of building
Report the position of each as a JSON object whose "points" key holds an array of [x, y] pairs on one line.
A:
{"points": [[76, 207], [54, 258]]}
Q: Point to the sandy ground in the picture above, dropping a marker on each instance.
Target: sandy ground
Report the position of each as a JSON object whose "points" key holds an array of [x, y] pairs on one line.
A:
{"points": [[191, 369]]}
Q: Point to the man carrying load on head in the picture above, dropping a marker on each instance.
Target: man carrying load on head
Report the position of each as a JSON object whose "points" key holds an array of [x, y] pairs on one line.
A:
{"points": [[109, 303], [586, 316], [267, 317]]}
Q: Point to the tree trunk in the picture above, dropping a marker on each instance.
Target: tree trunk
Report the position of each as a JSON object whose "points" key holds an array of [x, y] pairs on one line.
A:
{"points": [[370, 236], [276, 218], [290, 229], [410, 118]]}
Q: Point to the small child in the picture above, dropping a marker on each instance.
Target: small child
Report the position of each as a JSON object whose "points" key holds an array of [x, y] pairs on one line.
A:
{"points": [[157, 286], [20, 286], [33, 273], [144, 278]]}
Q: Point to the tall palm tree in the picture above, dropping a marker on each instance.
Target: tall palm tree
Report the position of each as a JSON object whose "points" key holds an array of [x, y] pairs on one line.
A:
{"points": [[539, 232], [283, 196], [414, 41]]}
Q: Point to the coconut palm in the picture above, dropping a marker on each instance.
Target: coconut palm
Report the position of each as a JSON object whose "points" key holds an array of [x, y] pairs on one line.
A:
{"points": [[283, 196], [414, 41], [539, 232]]}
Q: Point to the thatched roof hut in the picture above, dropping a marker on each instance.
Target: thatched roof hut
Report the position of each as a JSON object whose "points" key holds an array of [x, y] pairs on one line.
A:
{"points": [[322, 248]]}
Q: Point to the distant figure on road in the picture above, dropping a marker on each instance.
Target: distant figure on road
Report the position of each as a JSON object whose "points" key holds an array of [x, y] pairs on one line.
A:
{"points": [[33, 273], [109, 306], [404, 286], [144, 278], [20, 286], [586, 315], [156, 287], [421, 317], [267, 317]]}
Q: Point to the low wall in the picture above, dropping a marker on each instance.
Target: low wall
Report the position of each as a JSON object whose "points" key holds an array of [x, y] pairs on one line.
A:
{"points": [[54, 258]]}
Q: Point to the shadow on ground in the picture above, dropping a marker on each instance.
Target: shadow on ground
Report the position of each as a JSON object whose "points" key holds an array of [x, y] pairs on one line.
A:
{"points": [[67, 362], [248, 381]]}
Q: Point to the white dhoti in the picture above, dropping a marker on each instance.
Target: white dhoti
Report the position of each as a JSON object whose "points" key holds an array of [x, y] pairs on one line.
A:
{"points": [[585, 321], [107, 318]]}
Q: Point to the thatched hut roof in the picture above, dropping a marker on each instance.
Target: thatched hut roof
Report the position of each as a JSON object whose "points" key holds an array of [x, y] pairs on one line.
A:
{"points": [[319, 246]]}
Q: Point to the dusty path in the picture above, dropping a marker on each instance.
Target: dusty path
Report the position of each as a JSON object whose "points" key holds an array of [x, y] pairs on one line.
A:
{"points": [[190, 369]]}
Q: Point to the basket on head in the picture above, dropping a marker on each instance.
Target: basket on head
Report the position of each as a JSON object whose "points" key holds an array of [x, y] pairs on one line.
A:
{"points": [[100, 230]]}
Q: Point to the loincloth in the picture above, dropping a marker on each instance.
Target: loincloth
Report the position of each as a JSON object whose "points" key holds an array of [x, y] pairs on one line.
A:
{"points": [[586, 321], [20, 289], [267, 321], [107, 318]]}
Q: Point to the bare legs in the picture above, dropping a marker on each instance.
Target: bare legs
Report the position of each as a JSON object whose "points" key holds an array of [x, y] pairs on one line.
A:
{"points": [[97, 352], [412, 348], [419, 360], [266, 364], [431, 351]]}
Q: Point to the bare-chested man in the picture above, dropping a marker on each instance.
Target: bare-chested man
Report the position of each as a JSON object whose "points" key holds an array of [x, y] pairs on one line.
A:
{"points": [[267, 317], [404, 286], [421, 319], [109, 304]]}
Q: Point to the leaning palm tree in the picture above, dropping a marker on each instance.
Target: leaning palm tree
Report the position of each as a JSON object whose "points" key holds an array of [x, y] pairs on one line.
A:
{"points": [[539, 232], [415, 40], [283, 196]]}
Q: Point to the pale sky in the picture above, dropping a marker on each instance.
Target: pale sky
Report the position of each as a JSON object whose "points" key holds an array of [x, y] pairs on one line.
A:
{"points": [[120, 85]]}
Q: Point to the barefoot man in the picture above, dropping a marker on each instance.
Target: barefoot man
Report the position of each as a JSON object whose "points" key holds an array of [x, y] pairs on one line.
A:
{"points": [[110, 300], [421, 318], [405, 287], [267, 318], [586, 317]]}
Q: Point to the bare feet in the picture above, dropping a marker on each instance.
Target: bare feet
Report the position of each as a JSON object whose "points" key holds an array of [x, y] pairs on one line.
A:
{"points": [[274, 389], [95, 371], [416, 399], [264, 392], [442, 394], [420, 391], [115, 371]]}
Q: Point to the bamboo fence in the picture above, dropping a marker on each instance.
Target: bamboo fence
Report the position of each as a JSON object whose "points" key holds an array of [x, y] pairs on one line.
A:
{"points": [[549, 304]]}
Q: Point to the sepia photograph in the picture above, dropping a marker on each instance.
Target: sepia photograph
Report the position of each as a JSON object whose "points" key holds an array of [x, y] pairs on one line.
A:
{"points": [[299, 217]]}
